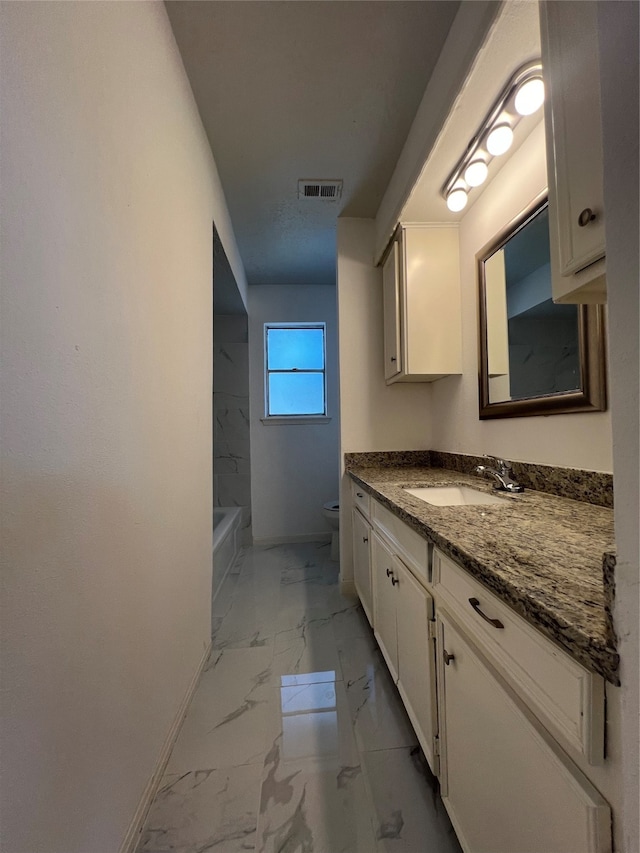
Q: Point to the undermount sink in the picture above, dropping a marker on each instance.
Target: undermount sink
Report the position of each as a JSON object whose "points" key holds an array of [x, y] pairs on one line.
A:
{"points": [[453, 496]]}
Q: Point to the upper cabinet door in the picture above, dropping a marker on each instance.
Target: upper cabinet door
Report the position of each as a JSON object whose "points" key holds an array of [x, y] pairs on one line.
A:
{"points": [[392, 302], [574, 149]]}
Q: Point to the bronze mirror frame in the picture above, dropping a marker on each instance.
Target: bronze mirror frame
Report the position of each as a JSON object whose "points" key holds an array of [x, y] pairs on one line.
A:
{"points": [[591, 397]]}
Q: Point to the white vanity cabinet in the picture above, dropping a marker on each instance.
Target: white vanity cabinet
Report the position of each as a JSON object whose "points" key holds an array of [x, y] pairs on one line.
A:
{"points": [[362, 562], [568, 32], [506, 783], [405, 631], [421, 295], [361, 542]]}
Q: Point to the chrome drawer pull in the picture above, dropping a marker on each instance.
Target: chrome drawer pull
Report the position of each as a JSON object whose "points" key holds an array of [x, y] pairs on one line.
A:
{"points": [[476, 606], [447, 657]]}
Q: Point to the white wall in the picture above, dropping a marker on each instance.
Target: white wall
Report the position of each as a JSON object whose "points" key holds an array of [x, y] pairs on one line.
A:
{"points": [[574, 440], [294, 467], [618, 45], [373, 415], [109, 193]]}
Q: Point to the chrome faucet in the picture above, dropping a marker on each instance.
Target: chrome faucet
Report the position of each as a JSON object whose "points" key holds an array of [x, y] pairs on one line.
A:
{"points": [[501, 474]]}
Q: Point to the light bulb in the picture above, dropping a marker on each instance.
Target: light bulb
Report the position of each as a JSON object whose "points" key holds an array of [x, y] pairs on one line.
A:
{"points": [[457, 200], [530, 97], [499, 140], [476, 173]]}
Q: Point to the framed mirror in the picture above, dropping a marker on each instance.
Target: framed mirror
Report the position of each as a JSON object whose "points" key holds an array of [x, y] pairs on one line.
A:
{"points": [[535, 357]]}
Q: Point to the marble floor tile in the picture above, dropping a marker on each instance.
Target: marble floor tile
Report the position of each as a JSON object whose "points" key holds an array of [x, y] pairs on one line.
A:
{"points": [[410, 815], [205, 810], [307, 648], [313, 806], [379, 718], [296, 739], [233, 717]]}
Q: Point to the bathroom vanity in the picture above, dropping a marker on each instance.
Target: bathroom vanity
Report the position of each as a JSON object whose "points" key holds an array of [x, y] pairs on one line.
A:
{"points": [[494, 621]]}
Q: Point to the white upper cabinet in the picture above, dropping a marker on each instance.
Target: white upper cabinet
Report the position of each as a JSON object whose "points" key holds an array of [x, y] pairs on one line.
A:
{"points": [[422, 321], [574, 150]]}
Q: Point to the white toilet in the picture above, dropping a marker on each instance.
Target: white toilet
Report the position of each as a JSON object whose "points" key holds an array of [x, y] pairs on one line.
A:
{"points": [[331, 511]]}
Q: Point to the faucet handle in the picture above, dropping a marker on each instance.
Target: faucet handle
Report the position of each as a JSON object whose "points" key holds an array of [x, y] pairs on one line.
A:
{"points": [[503, 466]]}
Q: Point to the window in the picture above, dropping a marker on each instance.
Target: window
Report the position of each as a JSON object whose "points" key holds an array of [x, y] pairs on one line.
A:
{"points": [[295, 370]]}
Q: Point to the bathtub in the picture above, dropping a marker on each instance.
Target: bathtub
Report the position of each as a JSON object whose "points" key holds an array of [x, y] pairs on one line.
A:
{"points": [[226, 538]]}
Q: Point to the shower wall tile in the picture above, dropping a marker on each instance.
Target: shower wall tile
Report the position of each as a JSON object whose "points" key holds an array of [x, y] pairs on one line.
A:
{"points": [[231, 457], [231, 369], [234, 490], [231, 441], [231, 417]]}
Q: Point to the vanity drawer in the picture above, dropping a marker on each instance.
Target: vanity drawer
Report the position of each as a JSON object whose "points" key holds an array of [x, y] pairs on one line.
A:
{"points": [[360, 498], [568, 698], [412, 548]]}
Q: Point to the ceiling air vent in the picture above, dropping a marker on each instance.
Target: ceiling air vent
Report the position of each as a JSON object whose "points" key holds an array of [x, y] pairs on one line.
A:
{"points": [[326, 190]]}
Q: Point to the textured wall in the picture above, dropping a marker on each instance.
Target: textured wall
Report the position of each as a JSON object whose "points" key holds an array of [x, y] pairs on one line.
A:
{"points": [[574, 440], [109, 193]]}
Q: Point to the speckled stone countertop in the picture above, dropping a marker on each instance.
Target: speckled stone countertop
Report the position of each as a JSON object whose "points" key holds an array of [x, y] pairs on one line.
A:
{"points": [[548, 557]]}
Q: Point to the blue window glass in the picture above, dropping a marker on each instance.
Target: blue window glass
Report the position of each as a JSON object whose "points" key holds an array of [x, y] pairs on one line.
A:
{"points": [[295, 370], [295, 349]]}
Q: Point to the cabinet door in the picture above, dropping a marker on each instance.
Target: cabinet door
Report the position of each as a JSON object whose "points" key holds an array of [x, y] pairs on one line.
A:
{"points": [[392, 307], [574, 145], [362, 562], [384, 570], [506, 784], [416, 660]]}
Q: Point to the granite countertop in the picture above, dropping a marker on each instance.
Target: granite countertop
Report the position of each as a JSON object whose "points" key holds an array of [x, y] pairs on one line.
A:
{"points": [[548, 557]]}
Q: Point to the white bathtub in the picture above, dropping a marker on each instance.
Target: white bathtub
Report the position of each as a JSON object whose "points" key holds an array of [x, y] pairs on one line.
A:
{"points": [[226, 543]]}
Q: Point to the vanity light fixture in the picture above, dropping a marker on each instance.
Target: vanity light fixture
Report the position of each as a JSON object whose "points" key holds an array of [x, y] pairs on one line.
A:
{"points": [[457, 199], [522, 96], [476, 173]]}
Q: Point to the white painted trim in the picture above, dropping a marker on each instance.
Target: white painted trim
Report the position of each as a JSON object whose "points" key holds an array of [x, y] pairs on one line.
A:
{"points": [[288, 420], [132, 836], [348, 588], [286, 540]]}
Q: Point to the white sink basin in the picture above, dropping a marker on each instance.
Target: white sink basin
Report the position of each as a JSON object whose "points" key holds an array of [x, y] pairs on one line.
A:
{"points": [[453, 496]]}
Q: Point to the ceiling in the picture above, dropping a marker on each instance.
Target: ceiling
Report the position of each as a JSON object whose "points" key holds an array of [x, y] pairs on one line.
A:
{"points": [[290, 90]]}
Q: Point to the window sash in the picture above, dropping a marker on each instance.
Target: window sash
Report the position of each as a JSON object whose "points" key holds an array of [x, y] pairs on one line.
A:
{"points": [[295, 370]]}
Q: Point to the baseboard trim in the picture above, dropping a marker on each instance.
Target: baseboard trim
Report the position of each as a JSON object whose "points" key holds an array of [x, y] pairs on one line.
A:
{"points": [[287, 540], [348, 588], [132, 836]]}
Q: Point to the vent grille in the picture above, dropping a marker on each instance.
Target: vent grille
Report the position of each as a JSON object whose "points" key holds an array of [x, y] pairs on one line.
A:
{"points": [[327, 190]]}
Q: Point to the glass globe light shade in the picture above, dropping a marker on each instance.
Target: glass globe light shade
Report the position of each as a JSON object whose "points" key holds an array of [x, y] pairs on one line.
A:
{"points": [[499, 140], [476, 173], [530, 97], [457, 200]]}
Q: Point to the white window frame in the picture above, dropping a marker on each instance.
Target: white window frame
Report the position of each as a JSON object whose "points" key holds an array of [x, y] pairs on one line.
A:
{"points": [[295, 419]]}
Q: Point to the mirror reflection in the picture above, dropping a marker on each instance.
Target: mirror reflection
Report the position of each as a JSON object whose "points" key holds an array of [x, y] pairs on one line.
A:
{"points": [[533, 344], [536, 357]]}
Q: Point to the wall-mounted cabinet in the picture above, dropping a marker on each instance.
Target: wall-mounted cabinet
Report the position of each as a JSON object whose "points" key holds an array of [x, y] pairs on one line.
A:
{"points": [[569, 41], [422, 319]]}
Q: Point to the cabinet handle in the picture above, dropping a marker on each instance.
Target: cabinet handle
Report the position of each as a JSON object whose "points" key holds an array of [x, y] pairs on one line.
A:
{"points": [[364, 539], [359, 495], [395, 581], [476, 606], [586, 216], [447, 657], [389, 573], [393, 358]]}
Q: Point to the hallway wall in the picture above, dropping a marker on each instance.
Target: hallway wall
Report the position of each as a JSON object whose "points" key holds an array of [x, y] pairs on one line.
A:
{"points": [[109, 194]]}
